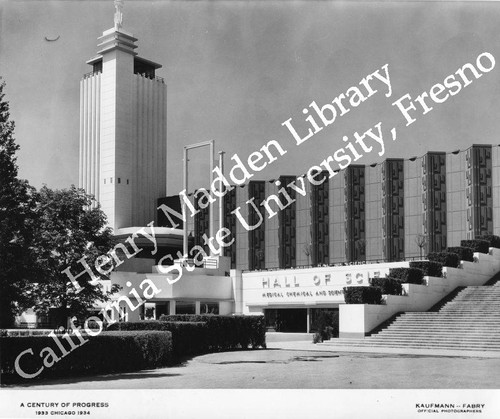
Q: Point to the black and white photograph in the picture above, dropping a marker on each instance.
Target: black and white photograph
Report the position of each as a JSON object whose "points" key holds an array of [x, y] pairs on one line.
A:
{"points": [[250, 209]]}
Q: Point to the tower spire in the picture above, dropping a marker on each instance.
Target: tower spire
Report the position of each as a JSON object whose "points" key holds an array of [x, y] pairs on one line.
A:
{"points": [[118, 14]]}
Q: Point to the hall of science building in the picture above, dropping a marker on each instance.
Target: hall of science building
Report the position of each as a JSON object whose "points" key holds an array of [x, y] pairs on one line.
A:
{"points": [[353, 226]]}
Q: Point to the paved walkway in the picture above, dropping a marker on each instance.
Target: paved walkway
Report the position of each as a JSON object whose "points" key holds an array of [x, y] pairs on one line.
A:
{"points": [[300, 365], [309, 346]]}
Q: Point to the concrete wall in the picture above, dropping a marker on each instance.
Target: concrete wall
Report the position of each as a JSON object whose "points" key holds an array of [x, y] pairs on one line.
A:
{"points": [[116, 137], [153, 287], [149, 158], [237, 285], [90, 113]]}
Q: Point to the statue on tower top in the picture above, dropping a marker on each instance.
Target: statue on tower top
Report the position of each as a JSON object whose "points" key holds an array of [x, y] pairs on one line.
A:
{"points": [[118, 14]]}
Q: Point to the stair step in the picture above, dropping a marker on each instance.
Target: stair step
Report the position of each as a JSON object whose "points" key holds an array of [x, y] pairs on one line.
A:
{"points": [[461, 348], [436, 338], [414, 344], [469, 321], [435, 332], [418, 328], [434, 344], [450, 321], [453, 324], [452, 316]]}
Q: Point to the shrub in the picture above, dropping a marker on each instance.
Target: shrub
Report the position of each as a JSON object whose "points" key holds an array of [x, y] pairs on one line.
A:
{"points": [[29, 332], [494, 241], [445, 258], [464, 253], [362, 295], [3, 332], [481, 246], [227, 332], [188, 338], [326, 324], [429, 268], [105, 353], [141, 325], [407, 275], [317, 338], [388, 285]]}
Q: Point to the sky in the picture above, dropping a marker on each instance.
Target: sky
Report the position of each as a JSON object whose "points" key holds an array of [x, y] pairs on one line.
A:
{"points": [[235, 71]]}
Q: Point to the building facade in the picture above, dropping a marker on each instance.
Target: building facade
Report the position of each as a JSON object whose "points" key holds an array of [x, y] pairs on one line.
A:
{"points": [[389, 211], [289, 260]]}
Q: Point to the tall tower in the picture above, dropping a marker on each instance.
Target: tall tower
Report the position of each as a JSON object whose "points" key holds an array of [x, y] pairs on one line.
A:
{"points": [[123, 130]]}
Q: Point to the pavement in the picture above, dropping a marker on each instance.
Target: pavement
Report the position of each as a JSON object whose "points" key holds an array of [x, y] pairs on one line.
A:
{"points": [[300, 365], [327, 347]]}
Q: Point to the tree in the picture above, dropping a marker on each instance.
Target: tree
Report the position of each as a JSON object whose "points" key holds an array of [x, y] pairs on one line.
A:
{"points": [[421, 242], [68, 229], [16, 222]]}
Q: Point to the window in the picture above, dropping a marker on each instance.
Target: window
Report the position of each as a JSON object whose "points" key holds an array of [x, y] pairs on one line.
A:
{"points": [[162, 307], [97, 67], [209, 308], [123, 314], [185, 307]]}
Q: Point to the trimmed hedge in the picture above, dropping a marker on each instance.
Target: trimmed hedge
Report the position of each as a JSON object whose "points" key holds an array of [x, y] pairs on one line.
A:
{"points": [[27, 332], [464, 253], [388, 285], [227, 332], [445, 258], [362, 295], [407, 275], [188, 338], [108, 352], [493, 240], [481, 246], [429, 268]]}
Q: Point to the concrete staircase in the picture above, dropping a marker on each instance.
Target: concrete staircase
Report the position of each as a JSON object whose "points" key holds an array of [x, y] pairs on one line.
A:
{"points": [[470, 321]]}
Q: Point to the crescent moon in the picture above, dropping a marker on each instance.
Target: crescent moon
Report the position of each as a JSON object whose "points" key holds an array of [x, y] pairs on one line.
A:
{"points": [[52, 40]]}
